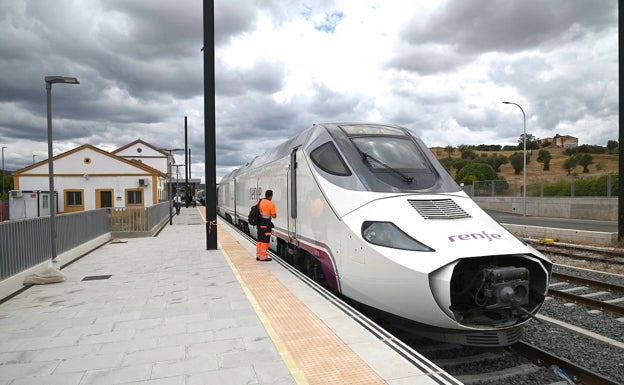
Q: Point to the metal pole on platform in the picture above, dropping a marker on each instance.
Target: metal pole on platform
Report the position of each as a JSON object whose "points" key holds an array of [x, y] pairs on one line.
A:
{"points": [[186, 172], [620, 140], [49, 80], [170, 197], [210, 126]]}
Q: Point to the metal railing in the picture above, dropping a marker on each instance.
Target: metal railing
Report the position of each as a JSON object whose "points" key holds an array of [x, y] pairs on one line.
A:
{"points": [[25, 243], [157, 213], [137, 219], [572, 186]]}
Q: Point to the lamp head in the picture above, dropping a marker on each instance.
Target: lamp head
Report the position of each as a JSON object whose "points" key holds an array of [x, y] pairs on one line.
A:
{"points": [[61, 79]]}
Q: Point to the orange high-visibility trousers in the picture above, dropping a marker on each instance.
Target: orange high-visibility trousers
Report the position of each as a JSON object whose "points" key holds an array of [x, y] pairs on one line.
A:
{"points": [[264, 237], [262, 250]]}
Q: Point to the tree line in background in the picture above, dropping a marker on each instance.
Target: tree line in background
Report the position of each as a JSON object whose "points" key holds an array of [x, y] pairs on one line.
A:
{"points": [[471, 167]]}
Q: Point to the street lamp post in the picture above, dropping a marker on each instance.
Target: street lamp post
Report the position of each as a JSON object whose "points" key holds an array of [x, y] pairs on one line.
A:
{"points": [[177, 166], [49, 80], [3, 147], [34, 158], [170, 174], [524, 177]]}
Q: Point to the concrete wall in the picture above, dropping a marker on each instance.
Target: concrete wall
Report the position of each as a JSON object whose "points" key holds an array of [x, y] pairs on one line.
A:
{"points": [[578, 237], [595, 208]]}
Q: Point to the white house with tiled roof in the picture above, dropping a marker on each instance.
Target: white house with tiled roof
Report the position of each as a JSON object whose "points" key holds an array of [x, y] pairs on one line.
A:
{"points": [[145, 153], [88, 178]]}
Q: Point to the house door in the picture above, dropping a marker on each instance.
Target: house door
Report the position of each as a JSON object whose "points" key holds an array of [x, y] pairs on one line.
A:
{"points": [[103, 198]]}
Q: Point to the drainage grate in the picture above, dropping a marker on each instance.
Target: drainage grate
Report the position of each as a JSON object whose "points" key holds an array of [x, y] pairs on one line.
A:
{"points": [[96, 277]]}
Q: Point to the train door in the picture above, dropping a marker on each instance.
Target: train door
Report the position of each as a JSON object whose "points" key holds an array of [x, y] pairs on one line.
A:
{"points": [[292, 194], [233, 200]]}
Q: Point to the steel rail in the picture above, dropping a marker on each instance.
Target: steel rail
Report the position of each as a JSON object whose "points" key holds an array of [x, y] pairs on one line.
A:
{"points": [[588, 282], [595, 304], [577, 373]]}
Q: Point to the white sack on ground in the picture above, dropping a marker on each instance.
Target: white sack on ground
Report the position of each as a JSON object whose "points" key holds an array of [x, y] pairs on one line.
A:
{"points": [[50, 275]]}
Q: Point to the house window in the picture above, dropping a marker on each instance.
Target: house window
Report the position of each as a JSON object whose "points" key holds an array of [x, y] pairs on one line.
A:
{"points": [[74, 201], [73, 198], [134, 197]]}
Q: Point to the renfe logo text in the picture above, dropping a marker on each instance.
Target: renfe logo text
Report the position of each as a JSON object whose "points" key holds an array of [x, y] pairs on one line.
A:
{"points": [[477, 236]]}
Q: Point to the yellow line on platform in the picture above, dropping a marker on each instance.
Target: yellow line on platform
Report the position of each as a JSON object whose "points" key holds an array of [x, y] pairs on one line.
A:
{"points": [[279, 344], [294, 370]]}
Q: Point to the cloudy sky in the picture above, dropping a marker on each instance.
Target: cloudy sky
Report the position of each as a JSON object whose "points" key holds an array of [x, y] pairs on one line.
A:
{"points": [[439, 68]]}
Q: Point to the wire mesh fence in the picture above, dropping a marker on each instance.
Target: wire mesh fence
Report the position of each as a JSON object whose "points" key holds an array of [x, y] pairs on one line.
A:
{"points": [[572, 186]]}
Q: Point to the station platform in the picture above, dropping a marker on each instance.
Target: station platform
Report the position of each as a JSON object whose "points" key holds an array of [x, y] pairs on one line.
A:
{"points": [[165, 311]]}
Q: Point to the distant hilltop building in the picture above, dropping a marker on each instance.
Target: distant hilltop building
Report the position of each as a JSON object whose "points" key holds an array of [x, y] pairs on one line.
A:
{"points": [[564, 141]]}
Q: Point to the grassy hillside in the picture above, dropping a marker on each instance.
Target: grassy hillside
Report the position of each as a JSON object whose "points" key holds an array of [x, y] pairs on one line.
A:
{"points": [[603, 164]]}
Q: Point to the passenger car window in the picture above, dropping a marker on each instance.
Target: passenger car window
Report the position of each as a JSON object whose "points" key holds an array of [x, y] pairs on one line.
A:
{"points": [[327, 158]]}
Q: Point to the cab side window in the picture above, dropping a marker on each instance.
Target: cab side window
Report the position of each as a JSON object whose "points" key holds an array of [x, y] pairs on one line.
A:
{"points": [[327, 158]]}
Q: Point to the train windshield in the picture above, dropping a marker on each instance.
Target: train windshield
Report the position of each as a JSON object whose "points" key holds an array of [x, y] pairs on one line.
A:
{"points": [[389, 152], [391, 155]]}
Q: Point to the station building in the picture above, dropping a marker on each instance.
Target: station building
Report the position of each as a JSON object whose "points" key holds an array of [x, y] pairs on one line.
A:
{"points": [[87, 178]]}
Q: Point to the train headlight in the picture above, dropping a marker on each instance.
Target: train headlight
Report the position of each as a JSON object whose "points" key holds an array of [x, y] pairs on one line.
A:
{"points": [[387, 234]]}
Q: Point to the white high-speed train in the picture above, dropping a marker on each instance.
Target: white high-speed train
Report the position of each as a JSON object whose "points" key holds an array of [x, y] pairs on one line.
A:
{"points": [[367, 210]]}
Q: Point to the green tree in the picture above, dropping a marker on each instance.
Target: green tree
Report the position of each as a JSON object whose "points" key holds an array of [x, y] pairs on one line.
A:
{"points": [[613, 146], [584, 160], [449, 150], [493, 160], [475, 171], [460, 163], [569, 164], [532, 143], [467, 152], [544, 156], [517, 161], [8, 185]]}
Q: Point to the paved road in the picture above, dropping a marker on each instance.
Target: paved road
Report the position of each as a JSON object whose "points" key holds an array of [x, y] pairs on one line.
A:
{"points": [[561, 223]]}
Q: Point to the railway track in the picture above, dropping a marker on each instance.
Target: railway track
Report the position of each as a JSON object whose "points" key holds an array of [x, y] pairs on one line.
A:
{"points": [[609, 256], [591, 289], [521, 363]]}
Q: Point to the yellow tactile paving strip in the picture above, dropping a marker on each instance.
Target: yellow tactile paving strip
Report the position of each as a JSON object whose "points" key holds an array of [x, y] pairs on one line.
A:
{"points": [[318, 354]]}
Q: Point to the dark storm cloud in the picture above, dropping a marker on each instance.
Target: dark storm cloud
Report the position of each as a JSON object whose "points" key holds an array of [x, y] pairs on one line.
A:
{"points": [[262, 77], [477, 26], [141, 71], [233, 18], [427, 59], [458, 31]]}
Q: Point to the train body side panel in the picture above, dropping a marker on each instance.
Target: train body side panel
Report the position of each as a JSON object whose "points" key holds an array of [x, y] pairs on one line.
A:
{"points": [[316, 221]]}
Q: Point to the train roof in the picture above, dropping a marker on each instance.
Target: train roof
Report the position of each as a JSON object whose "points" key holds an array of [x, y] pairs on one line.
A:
{"points": [[285, 148], [425, 172]]}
